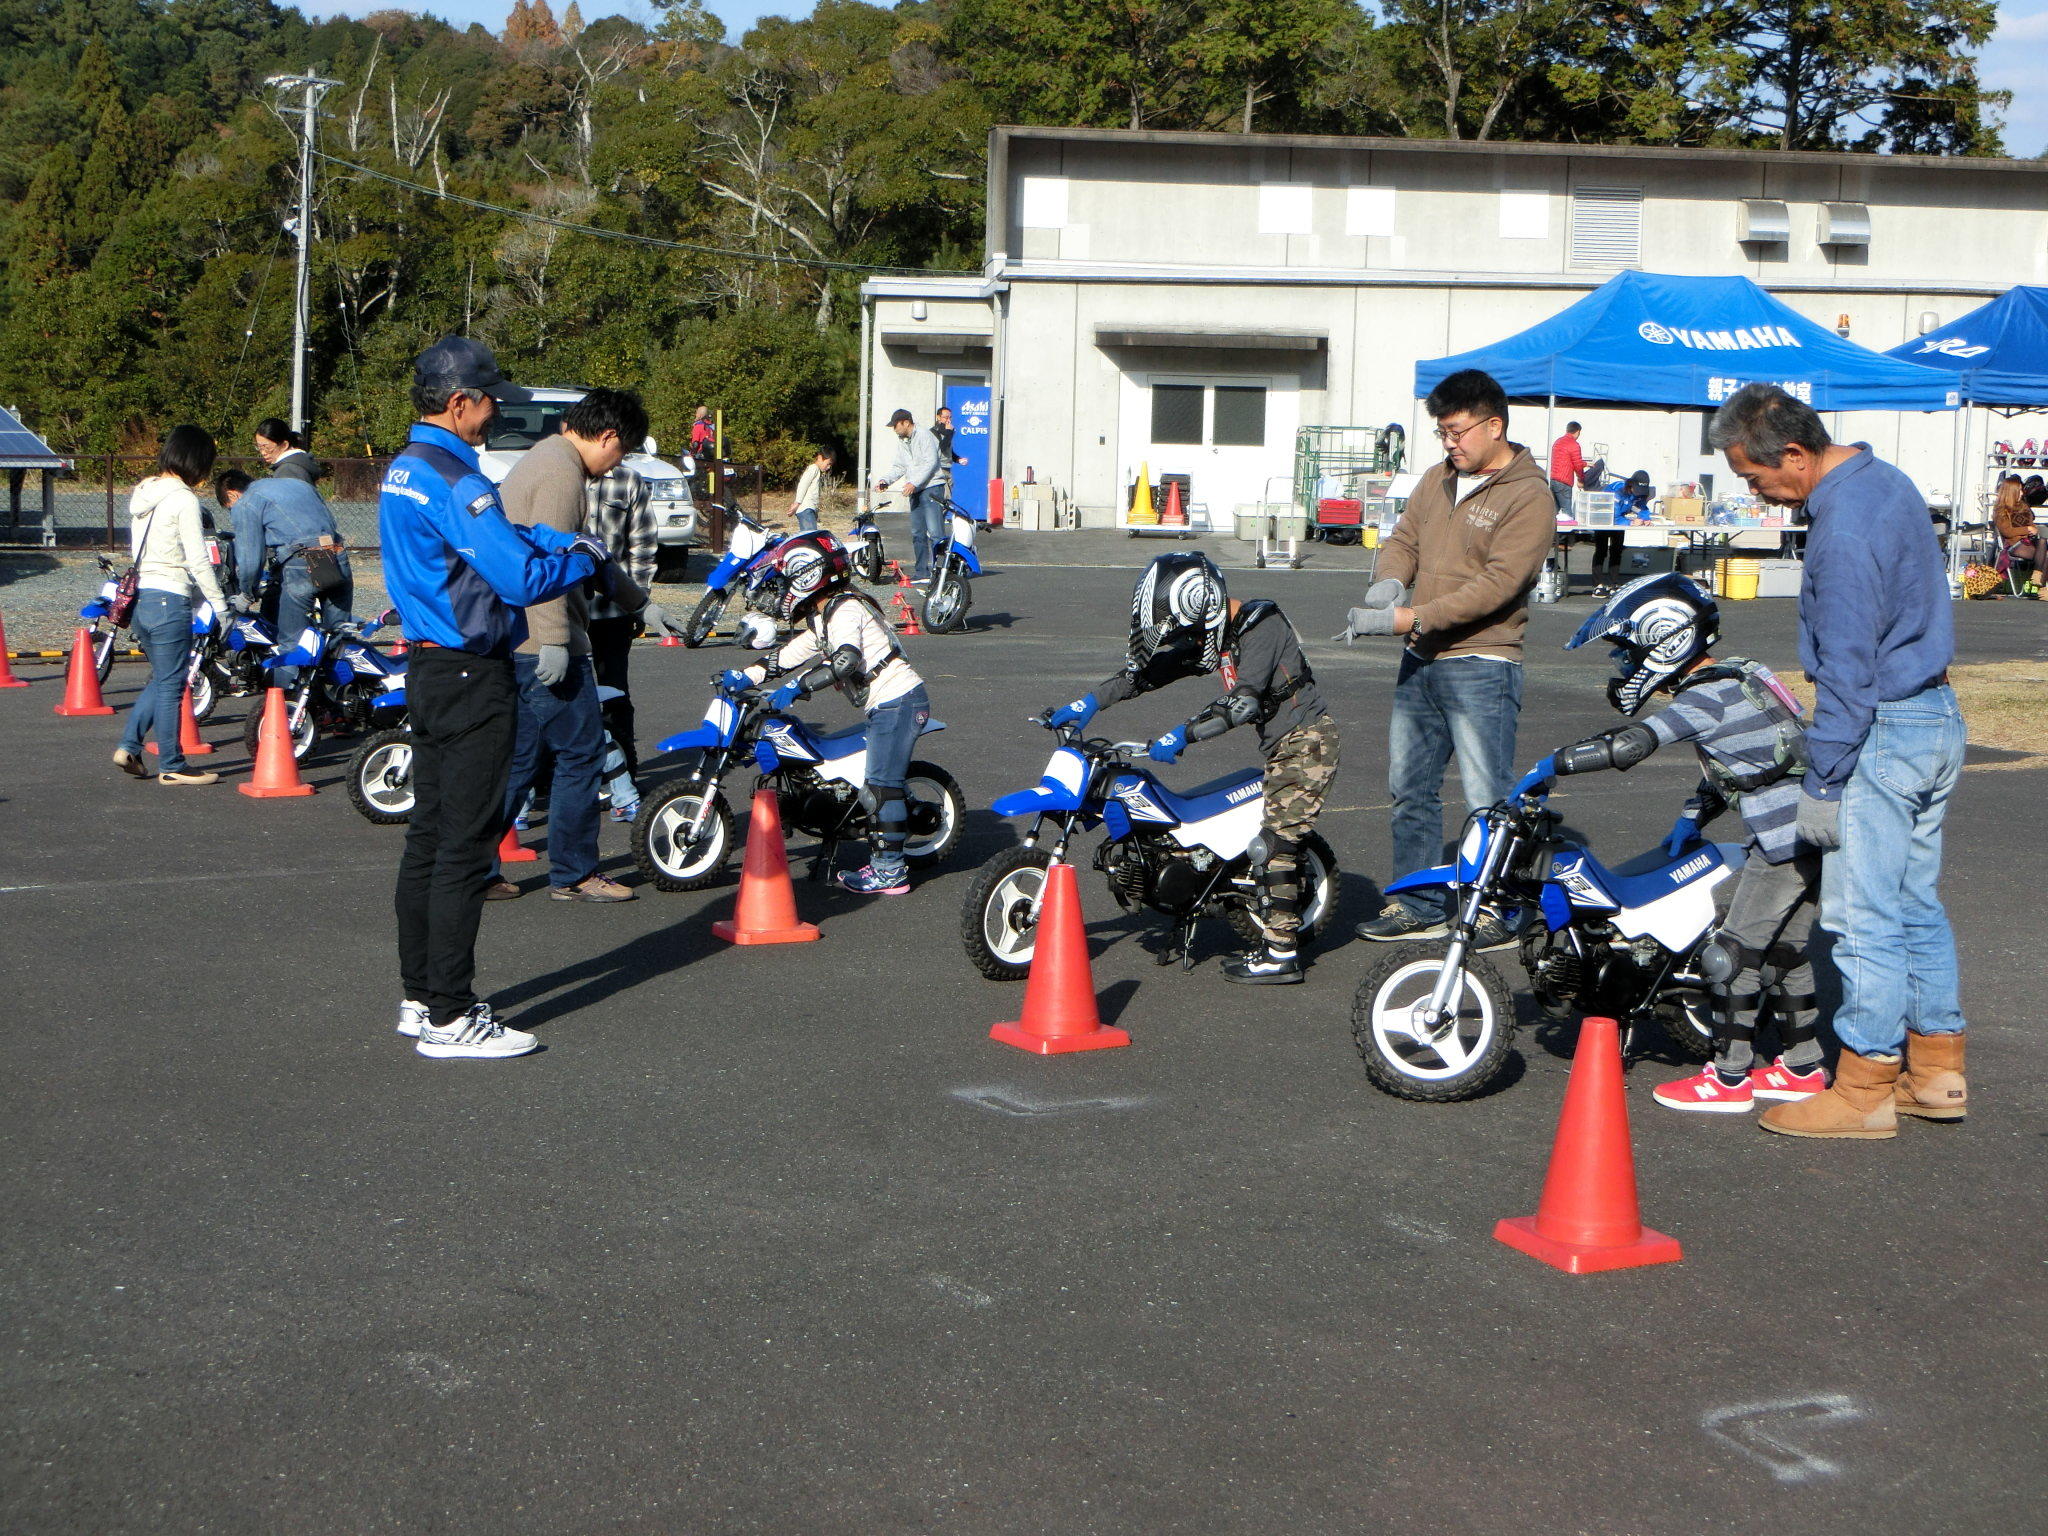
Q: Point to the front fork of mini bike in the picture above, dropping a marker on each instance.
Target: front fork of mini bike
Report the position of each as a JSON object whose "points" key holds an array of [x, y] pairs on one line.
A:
{"points": [[1450, 979], [1059, 856]]}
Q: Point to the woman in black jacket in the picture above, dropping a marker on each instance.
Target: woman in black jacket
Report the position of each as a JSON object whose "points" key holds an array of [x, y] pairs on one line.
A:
{"points": [[284, 451]]}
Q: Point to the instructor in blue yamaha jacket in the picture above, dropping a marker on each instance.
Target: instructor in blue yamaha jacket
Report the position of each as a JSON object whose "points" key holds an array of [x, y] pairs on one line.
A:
{"points": [[458, 573], [1876, 635]]}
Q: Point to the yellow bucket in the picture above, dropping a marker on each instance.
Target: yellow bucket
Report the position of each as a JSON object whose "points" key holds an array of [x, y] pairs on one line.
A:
{"points": [[1371, 533], [1736, 579]]}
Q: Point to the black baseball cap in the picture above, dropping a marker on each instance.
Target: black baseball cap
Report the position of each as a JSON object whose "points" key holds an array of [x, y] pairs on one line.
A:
{"points": [[456, 362], [901, 416]]}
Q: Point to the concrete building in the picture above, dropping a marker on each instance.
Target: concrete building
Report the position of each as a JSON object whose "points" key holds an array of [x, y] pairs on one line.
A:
{"points": [[1187, 300]]}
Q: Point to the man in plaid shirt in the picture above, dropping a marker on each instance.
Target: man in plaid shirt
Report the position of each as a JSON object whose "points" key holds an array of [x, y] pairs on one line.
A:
{"points": [[618, 515]]}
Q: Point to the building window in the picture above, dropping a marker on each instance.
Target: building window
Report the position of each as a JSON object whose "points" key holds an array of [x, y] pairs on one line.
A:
{"points": [[1240, 416], [1177, 414], [1607, 228]]}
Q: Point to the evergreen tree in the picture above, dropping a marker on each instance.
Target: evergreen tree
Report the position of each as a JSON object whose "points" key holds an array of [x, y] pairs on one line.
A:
{"points": [[106, 182], [43, 234], [95, 82]]}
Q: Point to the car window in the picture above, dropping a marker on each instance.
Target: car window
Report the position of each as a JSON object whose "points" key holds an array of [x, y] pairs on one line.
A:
{"points": [[521, 426]]}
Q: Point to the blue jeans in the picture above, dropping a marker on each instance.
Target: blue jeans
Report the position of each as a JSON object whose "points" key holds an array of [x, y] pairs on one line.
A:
{"points": [[567, 719], [893, 729], [927, 527], [296, 604], [1466, 706], [1878, 891], [806, 519], [162, 625]]}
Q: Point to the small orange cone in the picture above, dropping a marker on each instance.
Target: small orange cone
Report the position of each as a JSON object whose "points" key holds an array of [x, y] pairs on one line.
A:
{"points": [[7, 677], [1059, 998], [188, 731], [766, 913], [668, 639], [905, 621], [1589, 1220], [902, 576], [82, 681], [1174, 514], [512, 851], [277, 771]]}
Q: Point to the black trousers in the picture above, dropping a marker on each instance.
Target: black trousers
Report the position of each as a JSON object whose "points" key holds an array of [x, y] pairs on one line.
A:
{"points": [[463, 711], [611, 654]]}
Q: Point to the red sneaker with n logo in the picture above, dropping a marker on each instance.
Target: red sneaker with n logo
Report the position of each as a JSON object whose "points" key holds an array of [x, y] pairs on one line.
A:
{"points": [[1778, 1081], [1704, 1092]]}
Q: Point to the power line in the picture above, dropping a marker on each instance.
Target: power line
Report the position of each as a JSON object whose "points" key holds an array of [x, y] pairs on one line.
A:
{"points": [[654, 241]]}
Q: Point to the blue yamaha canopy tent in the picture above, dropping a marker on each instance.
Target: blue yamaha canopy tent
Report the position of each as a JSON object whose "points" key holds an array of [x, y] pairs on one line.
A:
{"points": [[1647, 338], [1998, 351]]}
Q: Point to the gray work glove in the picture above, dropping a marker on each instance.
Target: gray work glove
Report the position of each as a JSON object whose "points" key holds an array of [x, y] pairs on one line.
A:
{"points": [[1820, 823], [242, 602], [1368, 621], [1386, 594], [552, 665], [654, 621]]}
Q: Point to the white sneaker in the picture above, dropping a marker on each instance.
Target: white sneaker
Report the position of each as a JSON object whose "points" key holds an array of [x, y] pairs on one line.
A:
{"points": [[411, 1016], [476, 1033]]}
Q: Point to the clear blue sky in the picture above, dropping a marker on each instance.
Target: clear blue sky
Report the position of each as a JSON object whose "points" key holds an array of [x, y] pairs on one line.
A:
{"points": [[2011, 62]]}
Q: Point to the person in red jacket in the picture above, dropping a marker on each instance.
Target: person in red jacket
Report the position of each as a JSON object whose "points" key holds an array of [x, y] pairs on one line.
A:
{"points": [[1567, 463]]}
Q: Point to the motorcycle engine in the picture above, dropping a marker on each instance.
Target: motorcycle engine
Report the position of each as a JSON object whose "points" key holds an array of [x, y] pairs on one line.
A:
{"points": [[1142, 873], [811, 807]]}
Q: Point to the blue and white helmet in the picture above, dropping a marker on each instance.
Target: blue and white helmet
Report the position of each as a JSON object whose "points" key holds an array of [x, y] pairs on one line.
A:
{"points": [[1660, 626]]}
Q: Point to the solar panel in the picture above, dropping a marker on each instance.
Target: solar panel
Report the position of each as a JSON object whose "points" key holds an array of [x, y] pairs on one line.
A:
{"points": [[22, 449]]}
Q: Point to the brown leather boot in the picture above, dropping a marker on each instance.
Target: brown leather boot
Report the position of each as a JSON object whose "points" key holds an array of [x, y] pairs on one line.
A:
{"points": [[1932, 1085], [1860, 1103]]}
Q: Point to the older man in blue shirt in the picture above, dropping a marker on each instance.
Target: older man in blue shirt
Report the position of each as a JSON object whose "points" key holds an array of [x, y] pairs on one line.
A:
{"points": [[277, 520], [1876, 634]]}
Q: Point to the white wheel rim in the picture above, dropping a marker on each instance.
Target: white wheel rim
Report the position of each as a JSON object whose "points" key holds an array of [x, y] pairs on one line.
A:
{"points": [[944, 599], [665, 838], [1406, 1047], [923, 791], [387, 778], [1319, 891], [1016, 889]]}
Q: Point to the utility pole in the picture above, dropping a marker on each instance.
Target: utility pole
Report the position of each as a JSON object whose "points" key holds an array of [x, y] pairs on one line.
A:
{"points": [[314, 87]]}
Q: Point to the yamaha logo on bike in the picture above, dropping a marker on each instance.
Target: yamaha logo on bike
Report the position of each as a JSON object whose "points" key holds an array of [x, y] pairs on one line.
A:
{"points": [[1245, 792], [1692, 867]]}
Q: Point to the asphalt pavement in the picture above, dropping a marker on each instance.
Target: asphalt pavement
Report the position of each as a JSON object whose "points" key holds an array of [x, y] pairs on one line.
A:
{"points": [[777, 1240]]}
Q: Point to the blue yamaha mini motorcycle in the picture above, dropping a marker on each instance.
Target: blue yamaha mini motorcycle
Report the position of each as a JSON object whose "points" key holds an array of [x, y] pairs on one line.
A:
{"points": [[949, 593], [746, 544], [1185, 855], [344, 683], [684, 832], [1621, 940]]}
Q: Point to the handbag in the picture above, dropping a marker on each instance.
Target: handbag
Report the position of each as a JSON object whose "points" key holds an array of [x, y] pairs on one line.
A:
{"points": [[323, 567], [128, 590]]}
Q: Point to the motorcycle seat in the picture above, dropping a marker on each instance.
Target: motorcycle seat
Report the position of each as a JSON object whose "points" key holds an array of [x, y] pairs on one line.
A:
{"points": [[1647, 877], [1212, 798]]}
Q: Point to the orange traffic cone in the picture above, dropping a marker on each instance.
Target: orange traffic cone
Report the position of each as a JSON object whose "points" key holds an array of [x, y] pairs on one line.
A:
{"points": [[7, 677], [671, 639], [902, 576], [905, 621], [1589, 1220], [277, 771], [188, 731], [1175, 514], [512, 851], [766, 913], [1059, 998], [82, 681]]}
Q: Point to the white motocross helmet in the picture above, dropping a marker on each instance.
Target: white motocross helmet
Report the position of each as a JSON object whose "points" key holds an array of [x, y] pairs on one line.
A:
{"points": [[1179, 594], [1660, 626]]}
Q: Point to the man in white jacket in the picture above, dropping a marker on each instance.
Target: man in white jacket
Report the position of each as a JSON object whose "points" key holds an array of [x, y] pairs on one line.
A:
{"points": [[917, 461]]}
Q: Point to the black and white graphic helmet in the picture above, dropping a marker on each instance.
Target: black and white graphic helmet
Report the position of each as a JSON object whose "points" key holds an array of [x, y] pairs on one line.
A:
{"points": [[1179, 595], [1660, 626]]}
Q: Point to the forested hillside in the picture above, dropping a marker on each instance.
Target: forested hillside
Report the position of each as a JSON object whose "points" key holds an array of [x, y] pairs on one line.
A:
{"points": [[146, 176]]}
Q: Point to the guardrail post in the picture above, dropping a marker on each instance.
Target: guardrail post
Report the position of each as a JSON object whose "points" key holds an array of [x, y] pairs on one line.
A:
{"points": [[108, 465]]}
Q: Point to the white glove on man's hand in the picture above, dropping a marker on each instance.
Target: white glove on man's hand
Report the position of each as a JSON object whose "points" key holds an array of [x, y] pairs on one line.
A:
{"points": [[654, 621], [1385, 594], [1368, 621], [552, 665], [1820, 823]]}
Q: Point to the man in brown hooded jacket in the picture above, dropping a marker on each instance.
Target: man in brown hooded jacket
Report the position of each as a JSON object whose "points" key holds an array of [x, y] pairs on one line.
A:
{"points": [[1471, 544]]}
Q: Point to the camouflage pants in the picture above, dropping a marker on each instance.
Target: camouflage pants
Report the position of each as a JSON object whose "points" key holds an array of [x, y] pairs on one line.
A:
{"points": [[1299, 771]]}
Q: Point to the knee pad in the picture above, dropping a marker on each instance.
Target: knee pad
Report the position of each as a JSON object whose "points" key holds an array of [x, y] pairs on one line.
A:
{"points": [[1721, 962]]}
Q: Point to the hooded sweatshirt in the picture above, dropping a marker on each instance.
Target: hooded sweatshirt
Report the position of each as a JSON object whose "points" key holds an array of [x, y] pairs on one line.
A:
{"points": [[1472, 561], [169, 540]]}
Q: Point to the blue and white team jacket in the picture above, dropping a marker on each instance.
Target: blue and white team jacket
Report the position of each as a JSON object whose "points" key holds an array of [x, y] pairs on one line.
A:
{"points": [[457, 569]]}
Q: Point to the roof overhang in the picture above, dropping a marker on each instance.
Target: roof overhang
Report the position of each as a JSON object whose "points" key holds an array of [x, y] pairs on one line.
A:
{"points": [[1207, 339], [924, 339]]}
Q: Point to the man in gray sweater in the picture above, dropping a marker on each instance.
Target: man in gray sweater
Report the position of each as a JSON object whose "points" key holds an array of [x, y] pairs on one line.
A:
{"points": [[917, 462], [558, 704]]}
